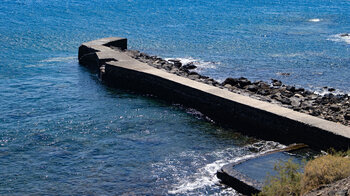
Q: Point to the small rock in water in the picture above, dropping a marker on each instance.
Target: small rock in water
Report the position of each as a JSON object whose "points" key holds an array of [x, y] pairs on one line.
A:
{"points": [[290, 88], [331, 89], [345, 35], [276, 82], [283, 74], [189, 66]]}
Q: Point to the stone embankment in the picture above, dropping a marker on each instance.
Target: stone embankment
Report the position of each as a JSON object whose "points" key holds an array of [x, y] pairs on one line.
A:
{"points": [[333, 107], [249, 107]]}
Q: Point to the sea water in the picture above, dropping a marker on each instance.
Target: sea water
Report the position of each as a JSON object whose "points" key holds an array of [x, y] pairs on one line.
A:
{"points": [[64, 132]]}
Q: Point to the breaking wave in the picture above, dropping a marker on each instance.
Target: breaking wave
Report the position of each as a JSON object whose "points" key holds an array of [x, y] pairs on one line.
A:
{"points": [[201, 65], [205, 167]]}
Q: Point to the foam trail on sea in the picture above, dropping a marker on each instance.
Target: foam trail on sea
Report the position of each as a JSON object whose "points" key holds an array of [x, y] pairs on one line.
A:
{"points": [[205, 176], [59, 59], [342, 37]]}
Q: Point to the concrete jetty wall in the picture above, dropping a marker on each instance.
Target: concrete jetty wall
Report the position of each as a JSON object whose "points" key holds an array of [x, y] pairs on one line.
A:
{"points": [[248, 115]]}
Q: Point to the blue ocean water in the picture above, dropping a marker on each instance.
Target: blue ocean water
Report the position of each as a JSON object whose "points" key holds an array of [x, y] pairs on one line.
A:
{"points": [[63, 132]]}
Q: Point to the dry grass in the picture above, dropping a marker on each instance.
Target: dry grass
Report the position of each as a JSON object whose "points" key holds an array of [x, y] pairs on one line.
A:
{"points": [[322, 170]]}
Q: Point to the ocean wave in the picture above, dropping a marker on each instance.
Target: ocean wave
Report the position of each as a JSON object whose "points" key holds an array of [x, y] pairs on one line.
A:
{"points": [[342, 37], [205, 176], [323, 91], [58, 59]]}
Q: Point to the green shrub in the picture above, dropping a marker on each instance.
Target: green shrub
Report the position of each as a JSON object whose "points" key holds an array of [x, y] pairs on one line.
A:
{"points": [[287, 182]]}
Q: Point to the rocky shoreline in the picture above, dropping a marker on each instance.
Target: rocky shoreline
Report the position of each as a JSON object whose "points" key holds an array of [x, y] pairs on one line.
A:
{"points": [[332, 107]]}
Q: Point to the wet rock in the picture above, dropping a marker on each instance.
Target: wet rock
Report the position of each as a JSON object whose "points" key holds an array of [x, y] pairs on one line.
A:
{"points": [[290, 88], [345, 35], [243, 82], [299, 89], [331, 89], [276, 82], [231, 81], [189, 66], [176, 63]]}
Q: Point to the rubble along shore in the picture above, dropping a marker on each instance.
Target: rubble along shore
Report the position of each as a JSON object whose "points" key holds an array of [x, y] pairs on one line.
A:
{"points": [[332, 107]]}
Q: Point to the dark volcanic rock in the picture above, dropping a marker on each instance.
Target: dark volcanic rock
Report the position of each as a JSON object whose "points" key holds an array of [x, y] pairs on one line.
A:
{"points": [[287, 93], [290, 88], [252, 88], [331, 89], [243, 82], [276, 82], [189, 66], [231, 81], [176, 62], [347, 116], [335, 108]]}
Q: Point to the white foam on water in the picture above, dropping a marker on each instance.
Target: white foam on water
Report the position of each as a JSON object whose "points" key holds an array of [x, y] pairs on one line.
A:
{"points": [[35, 65], [322, 91], [58, 59], [314, 20], [340, 38], [197, 62], [205, 176]]}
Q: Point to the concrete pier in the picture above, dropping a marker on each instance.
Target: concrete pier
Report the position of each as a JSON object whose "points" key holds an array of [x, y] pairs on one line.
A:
{"points": [[250, 116]]}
